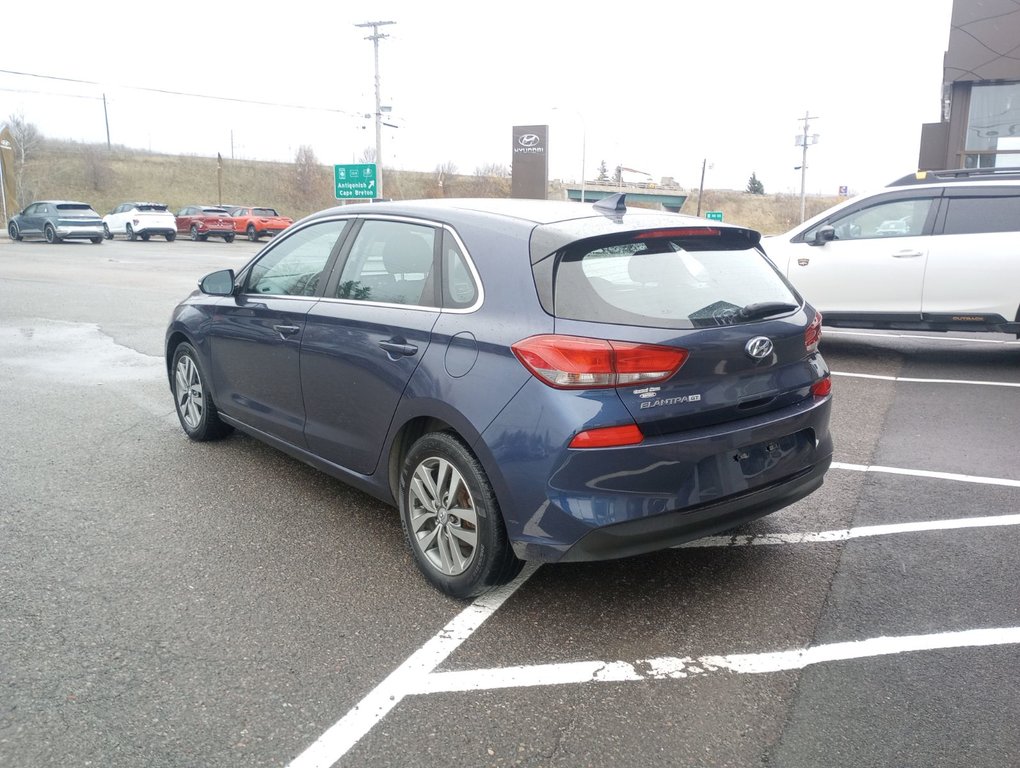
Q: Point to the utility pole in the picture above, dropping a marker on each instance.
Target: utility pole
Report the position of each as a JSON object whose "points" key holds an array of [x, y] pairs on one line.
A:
{"points": [[701, 186], [375, 37], [106, 117], [802, 141]]}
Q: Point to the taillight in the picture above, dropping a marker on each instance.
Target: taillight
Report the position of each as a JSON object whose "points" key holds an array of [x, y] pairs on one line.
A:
{"points": [[575, 362], [813, 334], [608, 437], [822, 387]]}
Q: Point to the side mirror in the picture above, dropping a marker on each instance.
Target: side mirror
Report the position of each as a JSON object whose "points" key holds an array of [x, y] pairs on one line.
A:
{"points": [[219, 283], [823, 235]]}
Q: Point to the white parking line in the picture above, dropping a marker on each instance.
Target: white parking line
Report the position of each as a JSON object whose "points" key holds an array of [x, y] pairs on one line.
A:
{"points": [[681, 667], [417, 675], [864, 531], [831, 331], [926, 381], [925, 473], [350, 729]]}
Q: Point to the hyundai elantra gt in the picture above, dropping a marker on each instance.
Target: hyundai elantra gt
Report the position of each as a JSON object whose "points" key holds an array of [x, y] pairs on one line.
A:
{"points": [[524, 380]]}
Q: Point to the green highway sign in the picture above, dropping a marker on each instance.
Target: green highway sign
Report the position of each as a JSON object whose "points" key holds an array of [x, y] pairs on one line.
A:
{"points": [[355, 181], [714, 215]]}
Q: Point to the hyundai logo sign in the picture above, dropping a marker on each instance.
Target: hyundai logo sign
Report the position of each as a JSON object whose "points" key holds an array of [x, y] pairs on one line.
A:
{"points": [[758, 348], [529, 144]]}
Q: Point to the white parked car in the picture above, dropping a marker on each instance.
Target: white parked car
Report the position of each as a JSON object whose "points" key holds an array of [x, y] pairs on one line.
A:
{"points": [[140, 220], [934, 251]]}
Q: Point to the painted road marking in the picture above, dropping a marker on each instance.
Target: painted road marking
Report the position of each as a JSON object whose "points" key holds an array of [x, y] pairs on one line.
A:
{"points": [[864, 531], [415, 676], [349, 730], [926, 381], [681, 667], [925, 473], [833, 332]]}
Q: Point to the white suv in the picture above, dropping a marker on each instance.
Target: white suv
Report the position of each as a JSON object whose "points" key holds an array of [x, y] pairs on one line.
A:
{"points": [[933, 251], [140, 220]]}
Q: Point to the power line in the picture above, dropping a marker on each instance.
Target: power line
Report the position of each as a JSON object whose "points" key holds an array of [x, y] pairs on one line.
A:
{"points": [[166, 92]]}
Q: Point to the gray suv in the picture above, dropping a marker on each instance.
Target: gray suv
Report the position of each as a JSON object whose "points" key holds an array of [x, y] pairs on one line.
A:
{"points": [[57, 220]]}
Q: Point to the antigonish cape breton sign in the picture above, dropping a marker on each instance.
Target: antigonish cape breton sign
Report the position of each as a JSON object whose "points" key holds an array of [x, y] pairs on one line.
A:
{"points": [[355, 181]]}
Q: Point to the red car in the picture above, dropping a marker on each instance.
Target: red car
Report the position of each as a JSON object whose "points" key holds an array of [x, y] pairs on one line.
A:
{"points": [[256, 222], [200, 221]]}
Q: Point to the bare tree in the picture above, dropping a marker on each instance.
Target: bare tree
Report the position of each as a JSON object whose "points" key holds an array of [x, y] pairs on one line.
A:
{"points": [[306, 167], [367, 155], [98, 173], [27, 139], [492, 180]]}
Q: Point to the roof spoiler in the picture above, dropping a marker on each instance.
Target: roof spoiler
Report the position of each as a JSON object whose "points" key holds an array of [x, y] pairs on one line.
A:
{"points": [[613, 204]]}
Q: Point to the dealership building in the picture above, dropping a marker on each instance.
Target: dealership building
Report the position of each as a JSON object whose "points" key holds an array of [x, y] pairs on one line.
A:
{"points": [[980, 126]]}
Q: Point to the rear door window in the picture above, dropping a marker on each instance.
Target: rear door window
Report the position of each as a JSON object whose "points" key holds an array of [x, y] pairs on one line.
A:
{"points": [[391, 262], [972, 215], [672, 282]]}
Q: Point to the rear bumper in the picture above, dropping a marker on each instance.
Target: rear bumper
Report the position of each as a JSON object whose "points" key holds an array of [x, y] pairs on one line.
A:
{"points": [[638, 537], [563, 504], [72, 232]]}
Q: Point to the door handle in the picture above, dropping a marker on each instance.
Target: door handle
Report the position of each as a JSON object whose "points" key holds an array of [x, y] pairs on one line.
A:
{"points": [[399, 348], [286, 330], [907, 254]]}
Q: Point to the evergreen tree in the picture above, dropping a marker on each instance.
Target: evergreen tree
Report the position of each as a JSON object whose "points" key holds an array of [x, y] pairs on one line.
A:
{"points": [[603, 176], [754, 185]]}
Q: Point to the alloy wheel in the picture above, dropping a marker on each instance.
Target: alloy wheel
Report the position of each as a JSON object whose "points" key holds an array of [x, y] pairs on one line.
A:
{"points": [[443, 518]]}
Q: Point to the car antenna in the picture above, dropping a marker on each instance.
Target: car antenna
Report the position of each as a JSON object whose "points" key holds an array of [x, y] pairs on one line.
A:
{"points": [[615, 203]]}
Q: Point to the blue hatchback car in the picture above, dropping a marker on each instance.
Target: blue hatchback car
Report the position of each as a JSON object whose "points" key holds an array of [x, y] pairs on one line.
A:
{"points": [[524, 380]]}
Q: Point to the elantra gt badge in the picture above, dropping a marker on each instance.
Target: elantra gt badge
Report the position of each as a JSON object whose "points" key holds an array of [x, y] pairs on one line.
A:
{"points": [[758, 348]]}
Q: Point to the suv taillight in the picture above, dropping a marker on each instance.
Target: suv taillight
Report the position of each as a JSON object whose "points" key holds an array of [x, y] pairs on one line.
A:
{"points": [[575, 362], [813, 334]]}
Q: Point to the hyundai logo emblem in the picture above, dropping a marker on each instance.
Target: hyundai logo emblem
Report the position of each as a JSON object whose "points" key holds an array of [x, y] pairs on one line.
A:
{"points": [[528, 140], [758, 348]]}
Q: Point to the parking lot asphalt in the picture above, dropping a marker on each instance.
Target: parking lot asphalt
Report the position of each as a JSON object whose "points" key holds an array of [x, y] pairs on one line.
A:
{"points": [[164, 603]]}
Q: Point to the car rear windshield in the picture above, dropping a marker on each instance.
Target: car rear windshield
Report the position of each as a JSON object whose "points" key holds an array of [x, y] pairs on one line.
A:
{"points": [[263, 212], [214, 210], [74, 207], [680, 281], [151, 207]]}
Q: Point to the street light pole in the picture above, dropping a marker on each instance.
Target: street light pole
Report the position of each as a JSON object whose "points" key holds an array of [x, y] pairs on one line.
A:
{"points": [[584, 146], [375, 37]]}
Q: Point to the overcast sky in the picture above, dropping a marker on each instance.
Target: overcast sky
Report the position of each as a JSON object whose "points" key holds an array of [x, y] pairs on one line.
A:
{"points": [[655, 86]]}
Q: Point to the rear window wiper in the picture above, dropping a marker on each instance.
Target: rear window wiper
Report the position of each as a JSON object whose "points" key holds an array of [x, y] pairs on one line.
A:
{"points": [[765, 309]]}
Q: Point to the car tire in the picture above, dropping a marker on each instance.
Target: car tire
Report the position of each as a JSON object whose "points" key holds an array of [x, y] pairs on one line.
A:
{"points": [[96, 240], [195, 407], [51, 234], [13, 232], [171, 236], [145, 237], [451, 518], [195, 235], [106, 232], [228, 238], [130, 233], [252, 234]]}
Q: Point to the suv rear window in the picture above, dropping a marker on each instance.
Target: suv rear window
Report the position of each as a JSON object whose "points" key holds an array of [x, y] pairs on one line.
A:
{"points": [[669, 282], [151, 207], [73, 207]]}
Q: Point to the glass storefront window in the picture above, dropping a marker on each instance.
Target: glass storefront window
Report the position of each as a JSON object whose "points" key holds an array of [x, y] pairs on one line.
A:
{"points": [[993, 123]]}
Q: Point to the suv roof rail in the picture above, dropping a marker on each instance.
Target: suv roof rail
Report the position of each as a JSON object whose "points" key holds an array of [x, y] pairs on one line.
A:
{"points": [[957, 174]]}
